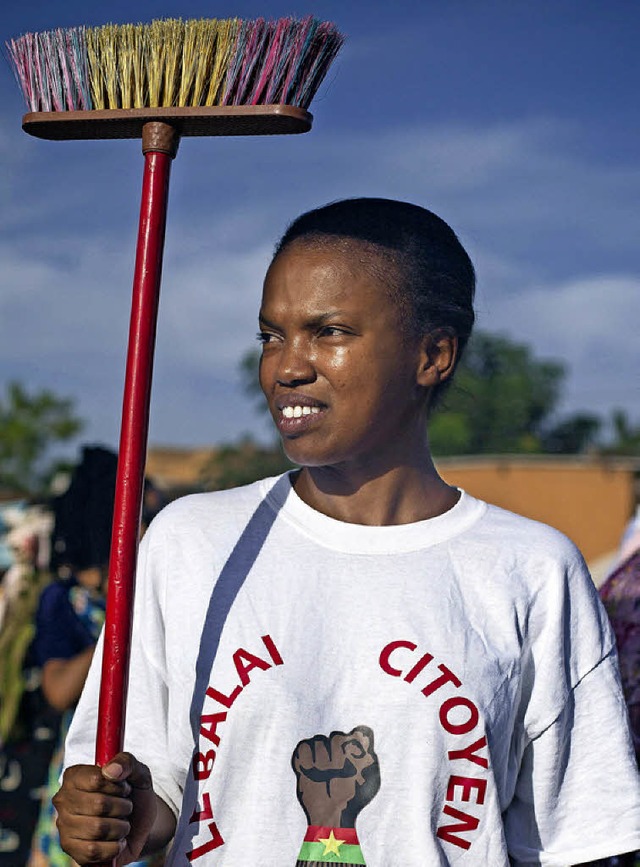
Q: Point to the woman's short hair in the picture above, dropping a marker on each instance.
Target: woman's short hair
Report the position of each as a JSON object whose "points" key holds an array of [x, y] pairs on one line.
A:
{"points": [[420, 258]]}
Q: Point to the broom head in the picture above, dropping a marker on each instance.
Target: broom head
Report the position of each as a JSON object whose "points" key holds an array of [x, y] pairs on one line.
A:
{"points": [[204, 77]]}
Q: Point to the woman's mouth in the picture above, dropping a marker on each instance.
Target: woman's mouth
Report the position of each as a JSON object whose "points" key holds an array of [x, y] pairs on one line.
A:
{"points": [[296, 418], [298, 411]]}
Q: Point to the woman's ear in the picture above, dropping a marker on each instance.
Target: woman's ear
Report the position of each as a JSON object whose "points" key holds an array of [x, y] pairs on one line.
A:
{"points": [[438, 353]]}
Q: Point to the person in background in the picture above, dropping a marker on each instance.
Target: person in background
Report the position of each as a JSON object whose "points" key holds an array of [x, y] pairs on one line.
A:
{"points": [[620, 594], [28, 541], [71, 613], [28, 726]]}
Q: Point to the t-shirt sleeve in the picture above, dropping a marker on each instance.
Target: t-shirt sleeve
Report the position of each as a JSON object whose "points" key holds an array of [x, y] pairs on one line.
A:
{"points": [[147, 696], [577, 792]]}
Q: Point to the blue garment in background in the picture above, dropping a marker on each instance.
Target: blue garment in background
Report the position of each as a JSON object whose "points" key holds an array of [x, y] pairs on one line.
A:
{"points": [[68, 621]]}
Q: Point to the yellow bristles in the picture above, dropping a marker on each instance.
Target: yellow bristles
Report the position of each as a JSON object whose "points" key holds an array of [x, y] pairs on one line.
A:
{"points": [[160, 50], [153, 65], [197, 49], [186, 62], [207, 46], [227, 32], [108, 39], [138, 66], [126, 58], [131, 65], [170, 38], [95, 70]]}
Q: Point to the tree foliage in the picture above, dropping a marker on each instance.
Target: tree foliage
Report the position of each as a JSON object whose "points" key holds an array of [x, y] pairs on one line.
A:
{"points": [[242, 463], [626, 440], [499, 401], [30, 423], [572, 435], [249, 364]]}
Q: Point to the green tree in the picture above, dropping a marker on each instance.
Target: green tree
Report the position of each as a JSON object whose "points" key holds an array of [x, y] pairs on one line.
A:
{"points": [[500, 400], [573, 435], [626, 439], [246, 461], [30, 424], [249, 364]]}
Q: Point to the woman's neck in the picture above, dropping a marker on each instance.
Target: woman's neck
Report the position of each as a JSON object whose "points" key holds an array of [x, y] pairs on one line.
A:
{"points": [[400, 495]]}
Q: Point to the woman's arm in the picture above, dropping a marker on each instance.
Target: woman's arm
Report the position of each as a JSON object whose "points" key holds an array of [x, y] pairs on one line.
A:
{"points": [[63, 679]]}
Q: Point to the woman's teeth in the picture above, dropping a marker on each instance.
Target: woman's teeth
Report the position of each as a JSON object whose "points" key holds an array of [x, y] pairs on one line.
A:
{"points": [[298, 411]]}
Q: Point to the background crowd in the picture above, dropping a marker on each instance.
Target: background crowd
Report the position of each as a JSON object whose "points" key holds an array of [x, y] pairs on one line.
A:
{"points": [[52, 605], [53, 572]]}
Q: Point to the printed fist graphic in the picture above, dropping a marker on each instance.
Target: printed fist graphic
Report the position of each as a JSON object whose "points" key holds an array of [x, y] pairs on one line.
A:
{"points": [[336, 776]]}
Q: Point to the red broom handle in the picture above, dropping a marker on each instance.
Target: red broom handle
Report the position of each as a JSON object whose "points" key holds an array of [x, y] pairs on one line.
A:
{"points": [[159, 145]]}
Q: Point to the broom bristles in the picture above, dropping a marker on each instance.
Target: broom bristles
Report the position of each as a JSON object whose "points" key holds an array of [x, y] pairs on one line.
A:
{"points": [[171, 62], [225, 46]]}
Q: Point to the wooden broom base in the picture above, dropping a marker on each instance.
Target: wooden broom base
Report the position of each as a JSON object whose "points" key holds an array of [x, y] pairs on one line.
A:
{"points": [[188, 121]]}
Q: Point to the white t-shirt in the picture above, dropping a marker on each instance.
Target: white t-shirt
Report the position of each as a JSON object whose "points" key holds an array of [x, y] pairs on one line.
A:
{"points": [[444, 692]]}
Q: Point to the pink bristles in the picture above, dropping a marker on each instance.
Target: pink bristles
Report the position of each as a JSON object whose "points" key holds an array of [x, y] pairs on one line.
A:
{"points": [[50, 68], [41, 81], [22, 70], [235, 63], [280, 62], [251, 57], [322, 50], [68, 86], [25, 61], [296, 51], [53, 71], [77, 54], [277, 34]]}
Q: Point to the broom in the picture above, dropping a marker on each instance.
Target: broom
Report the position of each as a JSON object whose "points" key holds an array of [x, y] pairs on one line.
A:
{"points": [[158, 82]]}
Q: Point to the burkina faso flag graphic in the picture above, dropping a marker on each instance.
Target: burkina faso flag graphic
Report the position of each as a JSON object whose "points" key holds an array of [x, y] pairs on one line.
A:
{"points": [[324, 845]]}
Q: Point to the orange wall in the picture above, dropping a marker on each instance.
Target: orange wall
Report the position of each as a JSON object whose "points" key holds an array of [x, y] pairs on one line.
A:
{"points": [[588, 501]]}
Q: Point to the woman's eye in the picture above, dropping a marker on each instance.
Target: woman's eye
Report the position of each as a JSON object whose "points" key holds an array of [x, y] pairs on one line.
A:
{"points": [[331, 331]]}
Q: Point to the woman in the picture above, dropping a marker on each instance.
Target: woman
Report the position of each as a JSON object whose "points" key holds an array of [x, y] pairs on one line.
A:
{"points": [[358, 642]]}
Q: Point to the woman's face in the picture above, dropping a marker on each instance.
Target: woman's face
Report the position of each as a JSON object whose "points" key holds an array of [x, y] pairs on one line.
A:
{"points": [[338, 371]]}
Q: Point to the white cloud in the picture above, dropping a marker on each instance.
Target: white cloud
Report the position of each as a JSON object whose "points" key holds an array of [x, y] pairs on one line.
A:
{"points": [[64, 325], [210, 307], [526, 189], [591, 324], [72, 298]]}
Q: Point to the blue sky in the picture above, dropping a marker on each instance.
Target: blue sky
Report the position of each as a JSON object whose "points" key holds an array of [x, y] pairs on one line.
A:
{"points": [[515, 121]]}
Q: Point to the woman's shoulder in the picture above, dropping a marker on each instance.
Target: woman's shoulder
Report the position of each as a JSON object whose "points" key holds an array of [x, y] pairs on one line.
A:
{"points": [[226, 508], [55, 595], [526, 540], [55, 618]]}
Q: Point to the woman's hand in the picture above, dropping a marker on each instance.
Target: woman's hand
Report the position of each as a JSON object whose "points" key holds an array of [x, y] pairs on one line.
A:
{"points": [[111, 812]]}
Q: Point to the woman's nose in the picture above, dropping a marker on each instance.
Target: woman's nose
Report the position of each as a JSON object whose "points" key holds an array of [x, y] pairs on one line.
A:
{"points": [[296, 364]]}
